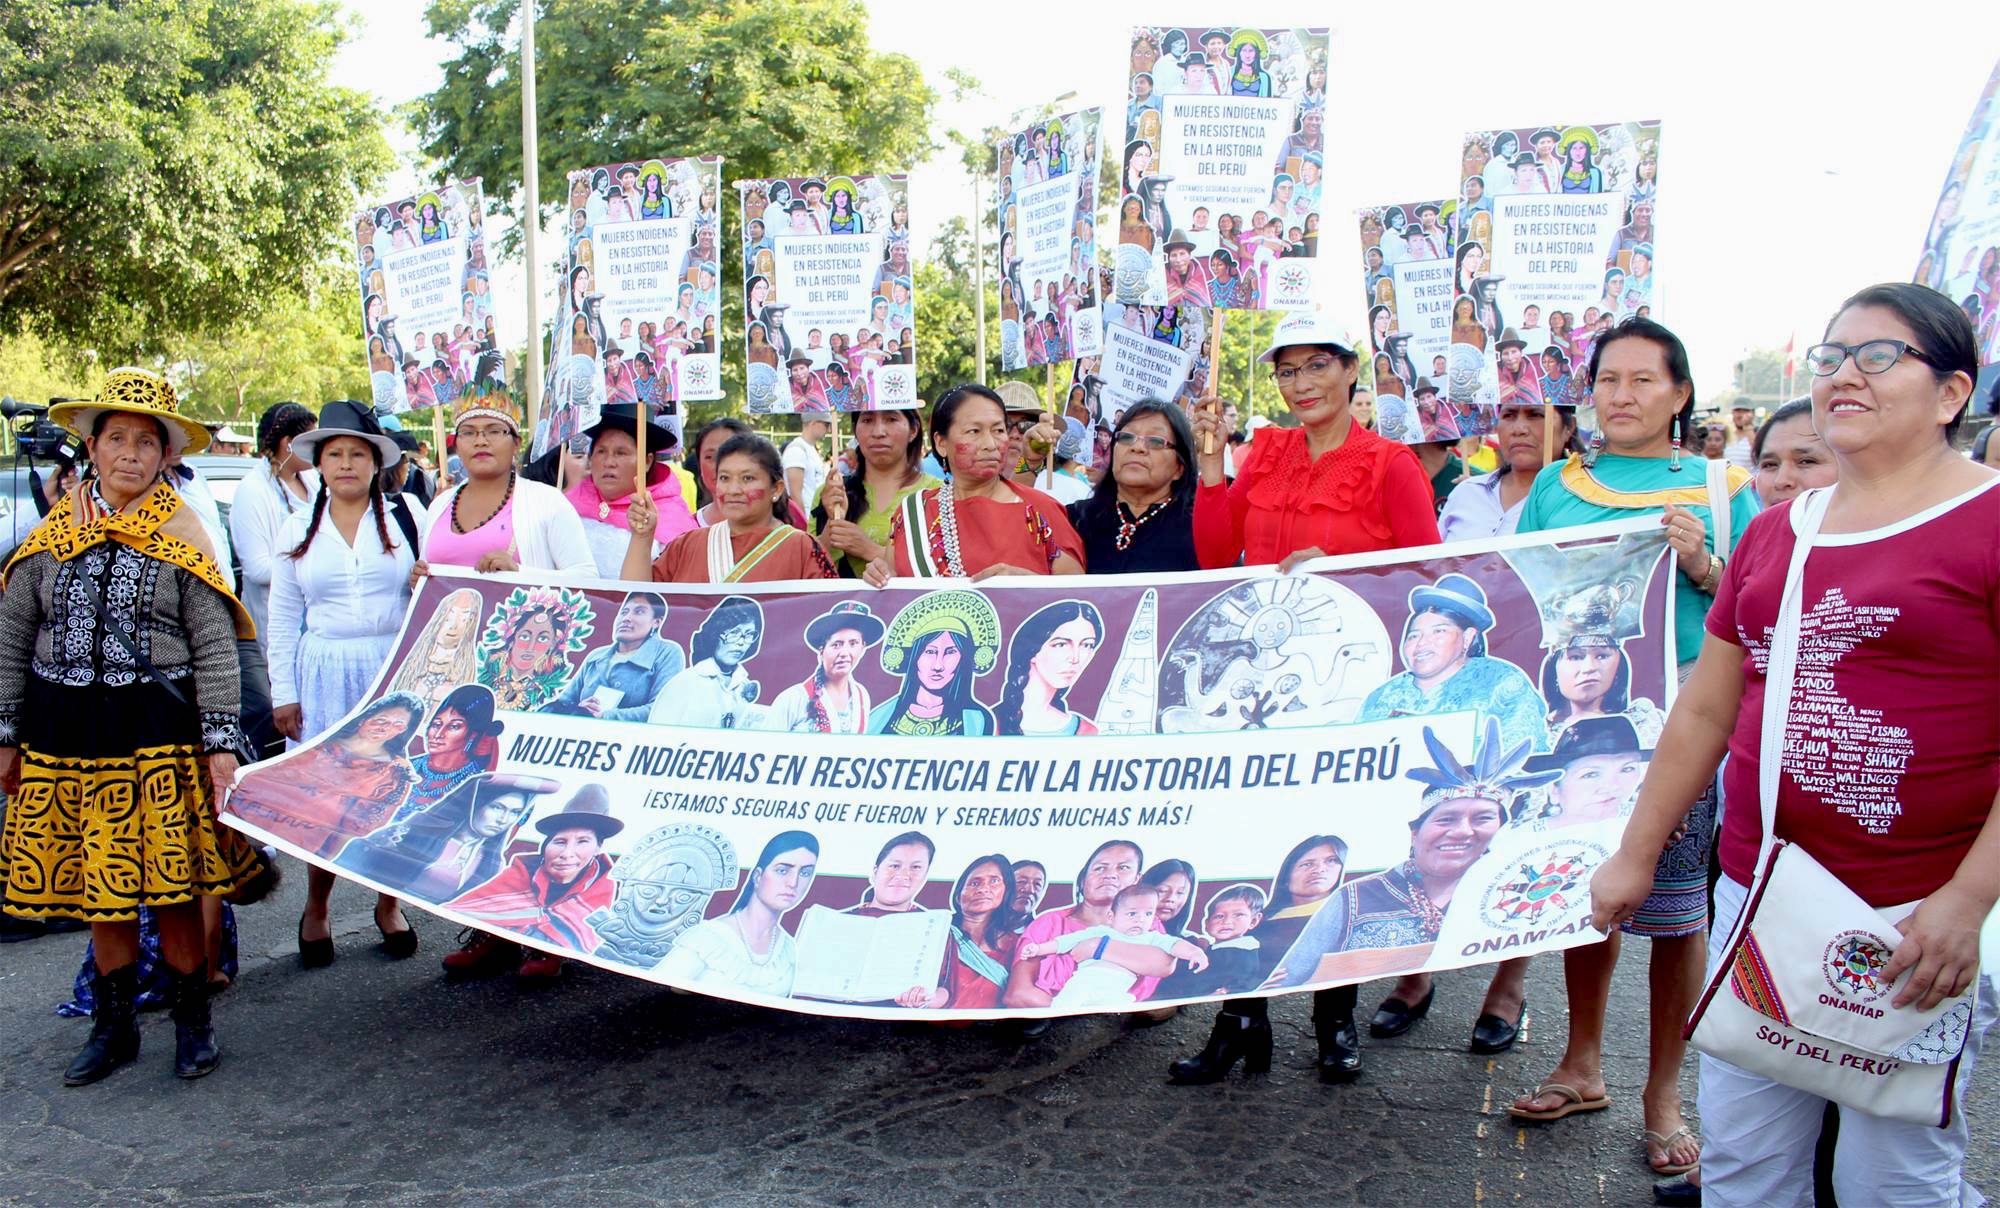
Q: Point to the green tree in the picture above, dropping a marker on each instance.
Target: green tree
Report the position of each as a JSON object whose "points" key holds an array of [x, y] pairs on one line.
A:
{"points": [[166, 163], [298, 345], [776, 87]]}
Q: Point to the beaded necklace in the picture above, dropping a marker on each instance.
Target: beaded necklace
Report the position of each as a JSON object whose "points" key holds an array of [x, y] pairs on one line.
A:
{"points": [[1129, 525], [459, 528], [948, 556]]}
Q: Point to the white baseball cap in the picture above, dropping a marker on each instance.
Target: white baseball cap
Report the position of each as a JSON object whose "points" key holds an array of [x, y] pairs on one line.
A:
{"points": [[1307, 327]]}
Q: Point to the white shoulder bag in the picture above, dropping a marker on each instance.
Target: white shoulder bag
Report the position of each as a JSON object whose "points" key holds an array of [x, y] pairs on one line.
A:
{"points": [[1801, 997]]}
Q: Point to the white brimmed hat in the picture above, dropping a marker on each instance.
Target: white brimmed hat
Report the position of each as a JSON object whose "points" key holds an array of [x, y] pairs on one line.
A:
{"points": [[1307, 327]]}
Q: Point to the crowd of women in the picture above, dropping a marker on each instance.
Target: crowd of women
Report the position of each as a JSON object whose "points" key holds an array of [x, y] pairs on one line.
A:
{"points": [[115, 610]]}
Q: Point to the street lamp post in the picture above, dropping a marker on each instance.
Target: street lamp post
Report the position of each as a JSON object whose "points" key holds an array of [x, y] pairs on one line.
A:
{"points": [[531, 217]]}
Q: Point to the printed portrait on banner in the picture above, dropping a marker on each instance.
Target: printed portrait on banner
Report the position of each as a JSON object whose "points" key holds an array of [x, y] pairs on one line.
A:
{"points": [[1555, 242], [1045, 208], [1220, 176], [639, 305], [426, 299], [1297, 761], [1157, 352], [1406, 267], [829, 296], [1961, 256]]}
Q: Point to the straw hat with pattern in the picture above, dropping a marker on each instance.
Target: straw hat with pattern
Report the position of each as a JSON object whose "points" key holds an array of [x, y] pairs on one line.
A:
{"points": [[135, 392]]}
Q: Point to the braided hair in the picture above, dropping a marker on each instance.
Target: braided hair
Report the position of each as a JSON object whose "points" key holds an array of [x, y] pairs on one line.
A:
{"points": [[375, 504]]}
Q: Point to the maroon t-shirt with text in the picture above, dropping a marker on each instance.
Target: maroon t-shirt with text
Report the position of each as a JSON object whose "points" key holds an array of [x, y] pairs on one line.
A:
{"points": [[1893, 741]]}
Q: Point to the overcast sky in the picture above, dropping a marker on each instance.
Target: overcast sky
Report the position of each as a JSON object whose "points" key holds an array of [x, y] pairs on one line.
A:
{"points": [[1802, 152]]}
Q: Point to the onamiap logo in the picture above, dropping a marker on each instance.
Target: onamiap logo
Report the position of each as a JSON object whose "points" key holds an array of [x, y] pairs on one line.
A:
{"points": [[1542, 884], [1854, 965], [1292, 284]]}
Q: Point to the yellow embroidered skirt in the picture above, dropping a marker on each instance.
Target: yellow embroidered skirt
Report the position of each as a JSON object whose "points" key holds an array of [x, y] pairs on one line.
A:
{"points": [[113, 812]]}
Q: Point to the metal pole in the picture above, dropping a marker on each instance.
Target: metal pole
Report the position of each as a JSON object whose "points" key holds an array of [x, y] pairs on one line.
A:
{"points": [[531, 217], [978, 283]]}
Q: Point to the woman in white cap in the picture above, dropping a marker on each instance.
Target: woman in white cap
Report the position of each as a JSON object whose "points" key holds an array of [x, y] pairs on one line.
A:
{"points": [[1329, 486], [339, 589], [114, 753]]}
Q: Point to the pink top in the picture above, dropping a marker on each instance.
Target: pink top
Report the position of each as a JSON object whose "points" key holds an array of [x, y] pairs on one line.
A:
{"points": [[1058, 967], [449, 547]]}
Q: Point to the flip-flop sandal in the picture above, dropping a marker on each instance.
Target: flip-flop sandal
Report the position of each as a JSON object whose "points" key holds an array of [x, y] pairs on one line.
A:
{"points": [[1573, 1102], [1666, 1145]]}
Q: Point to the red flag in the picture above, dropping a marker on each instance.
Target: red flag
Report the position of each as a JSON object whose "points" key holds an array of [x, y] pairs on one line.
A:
{"points": [[1791, 364]]}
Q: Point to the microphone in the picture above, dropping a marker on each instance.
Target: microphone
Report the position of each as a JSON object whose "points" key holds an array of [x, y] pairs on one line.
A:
{"points": [[11, 408]]}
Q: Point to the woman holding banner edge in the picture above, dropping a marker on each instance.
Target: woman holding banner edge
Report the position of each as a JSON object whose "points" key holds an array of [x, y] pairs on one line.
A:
{"points": [[1329, 486]]}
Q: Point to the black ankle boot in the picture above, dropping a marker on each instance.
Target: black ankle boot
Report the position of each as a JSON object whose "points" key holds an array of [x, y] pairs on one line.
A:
{"points": [[1339, 1048], [114, 1033], [1235, 1037], [195, 1051]]}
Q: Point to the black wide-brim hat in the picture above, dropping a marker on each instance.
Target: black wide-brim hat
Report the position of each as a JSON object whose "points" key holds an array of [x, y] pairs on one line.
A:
{"points": [[590, 809], [624, 417], [1587, 736], [848, 614], [345, 417]]}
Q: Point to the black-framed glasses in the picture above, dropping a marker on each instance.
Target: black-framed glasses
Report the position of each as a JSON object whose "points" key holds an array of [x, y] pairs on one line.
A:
{"points": [[1152, 444], [1873, 356]]}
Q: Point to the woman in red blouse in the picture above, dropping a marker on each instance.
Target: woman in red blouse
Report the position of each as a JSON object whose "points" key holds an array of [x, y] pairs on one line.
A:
{"points": [[978, 524], [1329, 486]]}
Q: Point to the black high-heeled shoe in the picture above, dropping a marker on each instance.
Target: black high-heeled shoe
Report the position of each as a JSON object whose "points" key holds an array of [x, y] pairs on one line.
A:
{"points": [[1234, 1038], [399, 945], [314, 954], [1339, 1049]]}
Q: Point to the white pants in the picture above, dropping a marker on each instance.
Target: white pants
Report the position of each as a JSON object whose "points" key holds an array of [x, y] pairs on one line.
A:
{"points": [[1758, 1135]]}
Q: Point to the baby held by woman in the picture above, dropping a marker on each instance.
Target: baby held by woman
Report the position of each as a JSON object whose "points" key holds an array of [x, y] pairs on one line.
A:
{"points": [[1100, 981]]}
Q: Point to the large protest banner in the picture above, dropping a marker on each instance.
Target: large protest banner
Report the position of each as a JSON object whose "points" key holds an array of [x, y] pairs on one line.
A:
{"points": [[829, 303], [1219, 185], [1406, 275], [641, 297], [1007, 798], [1961, 255], [1045, 208], [1556, 244], [426, 307]]}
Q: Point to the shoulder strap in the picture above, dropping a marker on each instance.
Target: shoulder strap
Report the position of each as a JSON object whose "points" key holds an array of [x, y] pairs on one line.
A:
{"points": [[400, 508], [1719, 517], [1782, 662], [917, 535], [118, 634], [778, 535]]}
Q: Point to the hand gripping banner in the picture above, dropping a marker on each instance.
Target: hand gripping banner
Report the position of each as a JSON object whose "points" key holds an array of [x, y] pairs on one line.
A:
{"points": [[1030, 797]]}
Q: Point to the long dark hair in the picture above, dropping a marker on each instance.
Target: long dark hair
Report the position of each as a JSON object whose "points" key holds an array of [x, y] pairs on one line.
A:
{"points": [[906, 839], [320, 498], [279, 421], [733, 611], [1943, 331], [1672, 351], [691, 459], [856, 482], [947, 408], [957, 694], [1281, 885], [408, 701], [473, 702], [1104, 496], [759, 450], [1616, 698], [782, 842], [1026, 643], [1005, 917], [1157, 876]]}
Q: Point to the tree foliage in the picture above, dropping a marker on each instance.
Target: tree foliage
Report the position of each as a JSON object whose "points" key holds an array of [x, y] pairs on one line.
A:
{"points": [[166, 163], [297, 345]]}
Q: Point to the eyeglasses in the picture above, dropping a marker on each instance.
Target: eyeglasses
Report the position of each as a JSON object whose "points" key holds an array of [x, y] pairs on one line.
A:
{"points": [[1021, 425], [489, 433], [1874, 356], [1152, 444], [1315, 366]]}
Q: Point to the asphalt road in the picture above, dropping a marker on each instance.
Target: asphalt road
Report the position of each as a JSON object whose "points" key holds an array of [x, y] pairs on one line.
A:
{"points": [[376, 1082]]}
